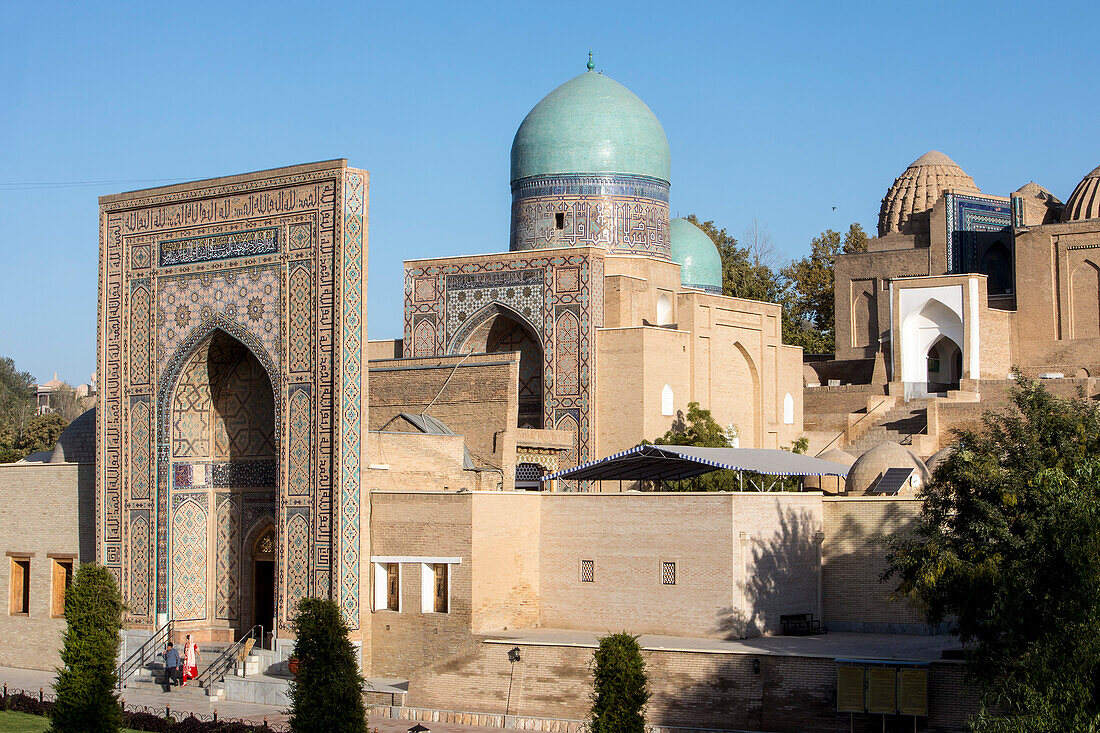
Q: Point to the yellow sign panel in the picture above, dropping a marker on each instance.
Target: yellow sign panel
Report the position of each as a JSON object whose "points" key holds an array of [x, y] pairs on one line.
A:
{"points": [[849, 689], [913, 692], [882, 692]]}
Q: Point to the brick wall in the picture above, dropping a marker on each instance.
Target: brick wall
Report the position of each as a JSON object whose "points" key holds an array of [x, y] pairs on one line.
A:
{"points": [[44, 509], [505, 541], [852, 563], [419, 525], [694, 689], [714, 539], [479, 399]]}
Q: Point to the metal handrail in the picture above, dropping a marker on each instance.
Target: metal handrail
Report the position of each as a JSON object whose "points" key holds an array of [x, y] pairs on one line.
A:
{"points": [[221, 665], [844, 432], [143, 653]]}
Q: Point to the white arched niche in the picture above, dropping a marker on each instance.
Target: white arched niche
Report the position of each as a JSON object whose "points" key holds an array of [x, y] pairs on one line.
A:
{"points": [[927, 316], [664, 310], [666, 400], [788, 409]]}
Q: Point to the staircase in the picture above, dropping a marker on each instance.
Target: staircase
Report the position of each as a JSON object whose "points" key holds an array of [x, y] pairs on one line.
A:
{"points": [[905, 419], [217, 661], [150, 678]]}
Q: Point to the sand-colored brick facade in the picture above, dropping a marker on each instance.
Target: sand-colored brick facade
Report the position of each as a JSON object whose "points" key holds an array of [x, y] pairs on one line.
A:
{"points": [[46, 513]]}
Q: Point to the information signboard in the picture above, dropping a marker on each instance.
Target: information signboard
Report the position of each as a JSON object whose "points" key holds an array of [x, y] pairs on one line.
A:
{"points": [[849, 690], [882, 690], [913, 692]]}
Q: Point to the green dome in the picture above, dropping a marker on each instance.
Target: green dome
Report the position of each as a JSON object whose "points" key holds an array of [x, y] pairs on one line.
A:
{"points": [[700, 263], [591, 124]]}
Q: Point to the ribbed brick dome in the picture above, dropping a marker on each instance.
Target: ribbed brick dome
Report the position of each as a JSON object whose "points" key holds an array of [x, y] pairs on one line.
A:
{"points": [[1084, 202], [918, 188]]}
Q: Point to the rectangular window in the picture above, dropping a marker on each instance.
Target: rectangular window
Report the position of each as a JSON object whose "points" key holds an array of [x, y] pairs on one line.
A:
{"points": [[668, 573], [442, 588], [588, 571], [559, 220], [393, 586], [62, 579], [20, 602]]}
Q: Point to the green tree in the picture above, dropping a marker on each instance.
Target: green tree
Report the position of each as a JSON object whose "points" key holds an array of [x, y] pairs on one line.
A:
{"points": [[808, 289], [328, 691], [1007, 548], [620, 688], [699, 428], [745, 271], [16, 408], [85, 687], [41, 433]]}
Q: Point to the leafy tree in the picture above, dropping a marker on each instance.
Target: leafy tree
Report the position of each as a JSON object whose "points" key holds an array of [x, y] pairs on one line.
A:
{"points": [[328, 692], [745, 272], [809, 301], [41, 433], [699, 428], [16, 408], [1008, 549], [620, 687], [86, 701]]}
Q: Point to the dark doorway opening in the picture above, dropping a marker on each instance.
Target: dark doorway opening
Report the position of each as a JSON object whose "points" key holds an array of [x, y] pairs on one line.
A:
{"points": [[264, 610]]}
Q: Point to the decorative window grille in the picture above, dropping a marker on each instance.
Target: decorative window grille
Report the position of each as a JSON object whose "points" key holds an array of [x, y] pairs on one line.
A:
{"points": [[588, 571], [528, 475], [668, 573]]}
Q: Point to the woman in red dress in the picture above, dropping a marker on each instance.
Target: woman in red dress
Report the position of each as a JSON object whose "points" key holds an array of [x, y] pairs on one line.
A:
{"points": [[190, 660]]}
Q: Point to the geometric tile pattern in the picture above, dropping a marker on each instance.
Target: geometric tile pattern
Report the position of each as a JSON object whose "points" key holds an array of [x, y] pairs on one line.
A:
{"points": [[351, 397], [621, 213], [244, 408], [969, 216], [534, 290], [300, 294], [138, 598], [567, 341], [141, 316], [300, 419], [227, 559], [248, 297], [297, 561], [141, 452], [424, 338], [189, 561], [191, 408]]}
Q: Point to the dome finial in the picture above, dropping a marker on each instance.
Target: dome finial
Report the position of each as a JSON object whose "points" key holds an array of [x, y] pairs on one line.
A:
{"points": [[591, 65]]}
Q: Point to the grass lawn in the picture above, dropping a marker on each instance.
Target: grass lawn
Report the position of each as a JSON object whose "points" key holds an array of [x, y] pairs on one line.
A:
{"points": [[12, 722]]}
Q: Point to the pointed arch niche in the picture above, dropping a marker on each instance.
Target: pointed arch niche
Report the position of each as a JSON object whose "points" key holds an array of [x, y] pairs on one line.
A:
{"points": [[497, 329], [222, 443]]}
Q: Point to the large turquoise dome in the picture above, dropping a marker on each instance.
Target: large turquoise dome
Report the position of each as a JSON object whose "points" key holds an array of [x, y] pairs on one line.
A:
{"points": [[700, 263], [591, 124]]}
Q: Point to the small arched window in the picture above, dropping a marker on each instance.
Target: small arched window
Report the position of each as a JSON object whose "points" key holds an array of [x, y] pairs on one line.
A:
{"points": [[664, 310], [666, 400], [788, 410]]}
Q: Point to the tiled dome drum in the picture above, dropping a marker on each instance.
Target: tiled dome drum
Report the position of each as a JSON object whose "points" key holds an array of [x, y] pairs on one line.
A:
{"points": [[590, 167]]}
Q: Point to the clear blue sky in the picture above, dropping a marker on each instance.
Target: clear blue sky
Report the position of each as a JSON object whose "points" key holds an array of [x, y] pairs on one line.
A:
{"points": [[774, 112]]}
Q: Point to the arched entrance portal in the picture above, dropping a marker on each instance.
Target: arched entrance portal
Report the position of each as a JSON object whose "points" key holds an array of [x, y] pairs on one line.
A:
{"points": [[944, 365], [223, 443], [500, 332]]}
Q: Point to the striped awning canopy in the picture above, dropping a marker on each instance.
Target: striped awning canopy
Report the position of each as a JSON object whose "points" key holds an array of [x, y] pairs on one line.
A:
{"points": [[676, 462]]}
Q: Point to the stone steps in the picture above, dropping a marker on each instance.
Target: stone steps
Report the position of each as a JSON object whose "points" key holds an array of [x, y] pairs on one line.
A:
{"points": [[910, 418]]}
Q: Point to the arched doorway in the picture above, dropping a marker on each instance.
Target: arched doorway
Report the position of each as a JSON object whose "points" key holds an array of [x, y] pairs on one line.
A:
{"points": [[996, 264], [944, 365], [933, 331], [222, 432], [263, 551], [503, 331]]}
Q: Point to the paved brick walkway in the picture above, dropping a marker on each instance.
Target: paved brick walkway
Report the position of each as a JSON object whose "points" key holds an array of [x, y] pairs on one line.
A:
{"points": [[33, 679]]}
